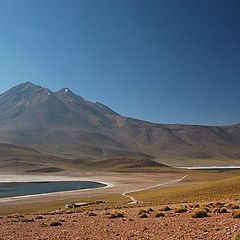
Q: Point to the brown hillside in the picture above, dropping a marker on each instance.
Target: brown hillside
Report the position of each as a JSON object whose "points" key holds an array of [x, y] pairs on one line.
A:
{"points": [[64, 124]]}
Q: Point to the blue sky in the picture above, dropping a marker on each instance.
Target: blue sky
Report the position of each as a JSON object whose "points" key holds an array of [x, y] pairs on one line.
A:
{"points": [[165, 61]]}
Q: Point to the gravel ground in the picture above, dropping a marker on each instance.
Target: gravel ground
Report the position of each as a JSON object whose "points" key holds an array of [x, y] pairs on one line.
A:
{"points": [[81, 226]]}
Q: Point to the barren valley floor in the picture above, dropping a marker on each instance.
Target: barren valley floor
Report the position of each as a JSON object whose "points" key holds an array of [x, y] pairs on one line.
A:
{"points": [[110, 216]]}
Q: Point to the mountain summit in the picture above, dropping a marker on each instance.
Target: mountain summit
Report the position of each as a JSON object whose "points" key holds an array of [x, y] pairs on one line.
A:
{"points": [[65, 124]]}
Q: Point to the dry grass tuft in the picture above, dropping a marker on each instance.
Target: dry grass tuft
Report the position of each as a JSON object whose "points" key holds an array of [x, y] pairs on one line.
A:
{"points": [[143, 215], [141, 211], [55, 223], [218, 204], [236, 214], [92, 214], [181, 209], [62, 220], [150, 210], [221, 210], [206, 209], [196, 205], [199, 213], [116, 214], [27, 220], [233, 206], [160, 214], [165, 208]]}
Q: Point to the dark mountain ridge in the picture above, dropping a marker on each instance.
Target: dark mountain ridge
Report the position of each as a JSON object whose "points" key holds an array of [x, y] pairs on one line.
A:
{"points": [[65, 124]]}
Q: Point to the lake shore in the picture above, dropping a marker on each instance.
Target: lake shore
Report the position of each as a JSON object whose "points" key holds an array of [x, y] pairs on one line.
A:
{"points": [[210, 167], [116, 185]]}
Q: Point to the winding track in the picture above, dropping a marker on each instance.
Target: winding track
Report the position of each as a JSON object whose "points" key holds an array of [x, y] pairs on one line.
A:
{"points": [[134, 201]]}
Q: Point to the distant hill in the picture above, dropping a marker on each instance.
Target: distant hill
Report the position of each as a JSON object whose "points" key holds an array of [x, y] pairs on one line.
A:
{"points": [[122, 163], [20, 159], [64, 124]]}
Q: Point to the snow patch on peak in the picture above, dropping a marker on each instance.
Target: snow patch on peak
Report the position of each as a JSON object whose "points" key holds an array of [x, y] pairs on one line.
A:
{"points": [[66, 90]]}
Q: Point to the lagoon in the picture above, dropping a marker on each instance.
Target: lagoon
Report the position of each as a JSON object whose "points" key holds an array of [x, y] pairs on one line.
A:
{"points": [[15, 189], [215, 168]]}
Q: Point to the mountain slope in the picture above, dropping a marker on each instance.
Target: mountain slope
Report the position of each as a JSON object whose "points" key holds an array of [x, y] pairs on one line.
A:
{"points": [[64, 124], [20, 159]]}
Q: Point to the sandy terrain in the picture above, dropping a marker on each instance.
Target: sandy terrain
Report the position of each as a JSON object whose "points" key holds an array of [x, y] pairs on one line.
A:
{"points": [[81, 226]]}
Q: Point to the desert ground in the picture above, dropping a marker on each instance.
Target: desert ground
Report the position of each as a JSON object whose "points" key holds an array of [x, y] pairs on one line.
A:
{"points": [[99, 224], [134, 205]]}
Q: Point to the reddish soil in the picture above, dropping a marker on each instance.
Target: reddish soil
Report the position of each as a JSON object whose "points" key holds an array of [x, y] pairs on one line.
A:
{"points": [[81, 226]]}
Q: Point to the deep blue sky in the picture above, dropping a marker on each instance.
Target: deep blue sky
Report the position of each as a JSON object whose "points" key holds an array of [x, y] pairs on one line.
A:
{"points": [[165, 61]]}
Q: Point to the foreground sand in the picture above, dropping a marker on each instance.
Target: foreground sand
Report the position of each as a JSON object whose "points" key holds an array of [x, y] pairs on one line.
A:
{"points": [[83, 226]]}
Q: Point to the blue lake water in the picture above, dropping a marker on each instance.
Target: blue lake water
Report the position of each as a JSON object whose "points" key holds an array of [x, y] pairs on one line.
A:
{"points": [[14, 189], [217, 169], [221, 169]]}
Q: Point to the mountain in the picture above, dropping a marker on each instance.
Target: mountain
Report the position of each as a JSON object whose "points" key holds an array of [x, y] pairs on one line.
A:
{"points": [[22, 159], [64, 124], [122, 163]]}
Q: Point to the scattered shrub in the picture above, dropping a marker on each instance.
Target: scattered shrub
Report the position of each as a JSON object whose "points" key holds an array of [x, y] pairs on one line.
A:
{"points": [[199, 213], [17, 216], [149, 210], [205, 208], [143, 215], [116, 214], [160, 214], [141, 211], [45, 213], [14, 220], [69, 212], [181, 209], [236, 214], [165, 208], [92, 214], [55, 223], [233, 206], [62, 220], [220, 210], [218, 204], [26, 220], [207, 205]]}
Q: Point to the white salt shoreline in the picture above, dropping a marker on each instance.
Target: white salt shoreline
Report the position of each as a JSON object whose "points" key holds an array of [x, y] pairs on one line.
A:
{"points": [[211, 167], [39, 178]]}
